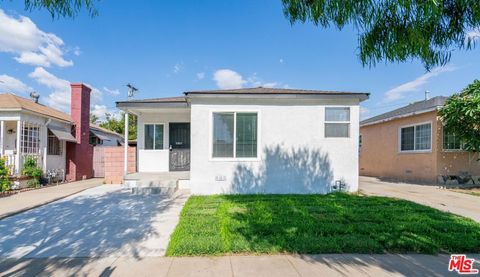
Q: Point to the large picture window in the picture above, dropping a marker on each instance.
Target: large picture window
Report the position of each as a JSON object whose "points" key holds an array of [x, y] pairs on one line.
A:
{"points": [[153, 136], [416, 138], [234, 135], [337, 122]]}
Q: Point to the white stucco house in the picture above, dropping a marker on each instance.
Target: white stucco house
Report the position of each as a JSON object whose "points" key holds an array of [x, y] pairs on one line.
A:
{"points": [[254, 140]]}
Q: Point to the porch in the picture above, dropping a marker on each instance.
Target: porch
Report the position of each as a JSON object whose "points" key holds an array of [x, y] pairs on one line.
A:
{"points": [[18, 140], [30, 136]]}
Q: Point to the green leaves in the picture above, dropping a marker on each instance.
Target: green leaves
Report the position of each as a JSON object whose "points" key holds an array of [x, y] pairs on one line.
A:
{"points": [[461, 115], [62, 8], [396, 31]]}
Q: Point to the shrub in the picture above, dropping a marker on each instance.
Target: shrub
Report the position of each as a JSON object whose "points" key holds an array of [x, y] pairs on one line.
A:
{"points": [[31, 169], [4, 176]]}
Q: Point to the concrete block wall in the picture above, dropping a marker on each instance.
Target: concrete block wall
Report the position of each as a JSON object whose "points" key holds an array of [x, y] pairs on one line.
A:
{"points": [[114, 163]]}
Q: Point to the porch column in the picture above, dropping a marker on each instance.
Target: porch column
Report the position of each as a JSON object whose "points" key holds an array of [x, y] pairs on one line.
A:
{"points": [[125, 145], [44, 147], [2, 137], [19, 147]]}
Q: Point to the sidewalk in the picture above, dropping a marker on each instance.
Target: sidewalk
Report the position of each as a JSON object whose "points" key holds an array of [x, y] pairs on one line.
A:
{"points": [[31, 199], [238, 266]]}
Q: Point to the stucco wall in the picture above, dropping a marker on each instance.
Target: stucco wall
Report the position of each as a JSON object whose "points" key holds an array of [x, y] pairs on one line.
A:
{"points": [[294, 155], [380, 156], [157, 160]]}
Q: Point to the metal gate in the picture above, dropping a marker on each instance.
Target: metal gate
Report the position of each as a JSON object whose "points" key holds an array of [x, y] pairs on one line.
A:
{"points": [[99, 161]]}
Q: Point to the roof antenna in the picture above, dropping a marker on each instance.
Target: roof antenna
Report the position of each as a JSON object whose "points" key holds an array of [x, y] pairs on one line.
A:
{"points": [[35, 96], [131, 90], [427, 95]]}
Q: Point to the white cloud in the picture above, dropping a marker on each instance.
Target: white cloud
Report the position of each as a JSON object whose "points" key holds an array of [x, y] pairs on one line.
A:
{"points": [[100, 111], [228, 79], [20, 36], [200, 75], [415, 85], [473, 35], [364, 112], [13, 85], [113, 92], [59, 98], [281, 60], [178, 67], [256, 81]]}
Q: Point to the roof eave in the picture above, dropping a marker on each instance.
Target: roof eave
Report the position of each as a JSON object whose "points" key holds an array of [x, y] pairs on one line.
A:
{"points": [[360, 96], [399, 116]]}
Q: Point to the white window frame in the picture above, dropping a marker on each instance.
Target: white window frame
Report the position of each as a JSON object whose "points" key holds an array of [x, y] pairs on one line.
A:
{"points": [[443, 144], [234, 158], [415, 138], [164, 142], [349, 122]]}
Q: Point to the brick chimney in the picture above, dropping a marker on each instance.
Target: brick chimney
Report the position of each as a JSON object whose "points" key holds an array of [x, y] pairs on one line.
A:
{"points": [[80, 154]]}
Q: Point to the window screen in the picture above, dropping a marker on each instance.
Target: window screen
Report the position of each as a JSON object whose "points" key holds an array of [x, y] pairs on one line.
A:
{"points": [[408, 138], [246, 144], [337, 122], [223, 127], [451, 141], [423, 136], [153, 136]]}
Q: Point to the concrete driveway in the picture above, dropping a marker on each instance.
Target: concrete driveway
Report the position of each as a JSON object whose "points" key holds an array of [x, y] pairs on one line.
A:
{"points": [[104, 221], [433, 196]]}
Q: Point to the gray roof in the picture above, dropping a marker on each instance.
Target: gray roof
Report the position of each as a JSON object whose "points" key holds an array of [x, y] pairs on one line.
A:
{"points": [[181, 101], [416, 107], [263, 90], [176, 99]]}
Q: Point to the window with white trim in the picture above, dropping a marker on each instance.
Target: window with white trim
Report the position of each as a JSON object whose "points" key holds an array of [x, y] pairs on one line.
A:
{"points": [[337, 122], [153, 136], [416, 137], [30, 138], [451, 141], [235, 135]]}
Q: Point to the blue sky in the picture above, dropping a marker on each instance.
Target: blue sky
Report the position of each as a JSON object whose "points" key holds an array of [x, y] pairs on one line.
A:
{"points": [[167, 47]]}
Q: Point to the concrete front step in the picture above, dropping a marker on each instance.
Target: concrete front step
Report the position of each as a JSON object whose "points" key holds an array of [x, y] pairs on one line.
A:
{"points": [[163, 187]]}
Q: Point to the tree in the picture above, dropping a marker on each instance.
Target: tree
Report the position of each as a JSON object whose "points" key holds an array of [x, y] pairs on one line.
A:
{"points": [[118, 125], [396, 31], [62, 8], [93, 118], [461, 116]]}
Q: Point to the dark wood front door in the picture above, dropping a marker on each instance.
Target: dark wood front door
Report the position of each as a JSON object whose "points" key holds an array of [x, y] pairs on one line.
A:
{"points": [[179, 139]]}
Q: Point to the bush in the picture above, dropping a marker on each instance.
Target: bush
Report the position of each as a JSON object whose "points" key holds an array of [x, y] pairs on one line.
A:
{"points": [[4, 176], [31, 169]]}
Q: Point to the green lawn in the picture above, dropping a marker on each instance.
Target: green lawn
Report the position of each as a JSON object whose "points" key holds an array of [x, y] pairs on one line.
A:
{"points": [[334, 223]]}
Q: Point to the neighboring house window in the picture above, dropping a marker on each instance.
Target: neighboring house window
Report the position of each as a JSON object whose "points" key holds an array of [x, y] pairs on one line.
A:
{"points": [[30, 139], [416, 138], [451, 141], [235, 135], [337, 122], [153, 136], [54, 145]]}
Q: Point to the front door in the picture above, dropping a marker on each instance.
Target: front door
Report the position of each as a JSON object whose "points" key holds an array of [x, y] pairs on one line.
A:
{"points": [[179, 138]]}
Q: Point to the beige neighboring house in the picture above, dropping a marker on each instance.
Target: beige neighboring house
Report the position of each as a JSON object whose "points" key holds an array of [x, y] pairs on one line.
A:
{"points": [[410, 144], [31, 129]]}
